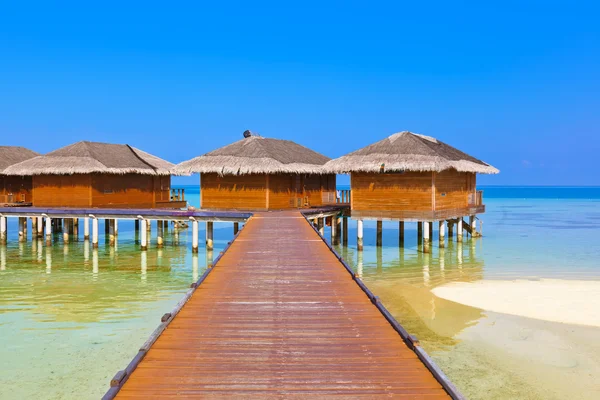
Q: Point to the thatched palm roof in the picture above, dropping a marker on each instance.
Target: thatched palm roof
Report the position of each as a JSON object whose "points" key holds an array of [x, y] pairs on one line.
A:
{"points": [[257, 155], [407, 151], [92, 157], [10, 155]]}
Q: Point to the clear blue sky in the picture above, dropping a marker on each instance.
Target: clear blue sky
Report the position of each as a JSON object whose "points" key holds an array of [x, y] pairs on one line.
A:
{"points": [[516, 84]]}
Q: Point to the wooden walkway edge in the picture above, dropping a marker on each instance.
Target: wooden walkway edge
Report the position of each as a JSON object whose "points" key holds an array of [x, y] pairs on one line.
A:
{"points": [[279, 316]]}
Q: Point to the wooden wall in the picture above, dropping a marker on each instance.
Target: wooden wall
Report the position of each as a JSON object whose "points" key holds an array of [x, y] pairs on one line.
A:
{"points": [[100, 190], [19, 186], [392, 191], [452, 189], [62, 190], [259, 192], [411, 191], [124, 191], [284, 189], [246, 192]]}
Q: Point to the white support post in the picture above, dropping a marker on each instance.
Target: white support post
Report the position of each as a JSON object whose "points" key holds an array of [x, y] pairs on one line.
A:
{"points": [[442, 231], [322, 226], [86, 229], [116, 229], [40, 227], [359, 234], [94, 233], [209, 235], [426, 237], [144, 234], [48, 231], [3, 230], [459, 230], [473, 223], [194, 236]]}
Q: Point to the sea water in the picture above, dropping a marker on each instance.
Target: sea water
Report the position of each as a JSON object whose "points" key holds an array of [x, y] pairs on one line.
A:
{"points": [[70, 318]]}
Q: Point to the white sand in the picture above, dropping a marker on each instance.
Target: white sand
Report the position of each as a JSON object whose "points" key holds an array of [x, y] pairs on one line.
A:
{"points": [[566, 301]]}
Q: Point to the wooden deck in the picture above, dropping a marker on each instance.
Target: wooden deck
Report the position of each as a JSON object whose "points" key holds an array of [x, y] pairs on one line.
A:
{"points": [[279, 316]]}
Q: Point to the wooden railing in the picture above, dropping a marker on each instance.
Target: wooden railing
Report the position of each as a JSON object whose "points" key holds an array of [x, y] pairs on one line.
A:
{"points": [[344, 196], [479, 198], [177, 194]]}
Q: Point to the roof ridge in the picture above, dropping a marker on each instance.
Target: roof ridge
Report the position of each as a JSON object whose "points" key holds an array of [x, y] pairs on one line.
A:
{"points": [[132, 149]]}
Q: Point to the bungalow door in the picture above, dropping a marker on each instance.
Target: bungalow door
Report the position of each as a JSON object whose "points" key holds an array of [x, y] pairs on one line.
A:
{"points": [[297, 192]]}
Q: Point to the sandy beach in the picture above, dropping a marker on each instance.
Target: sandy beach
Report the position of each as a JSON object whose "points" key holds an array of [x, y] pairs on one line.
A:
{"points": [[567, 301]]}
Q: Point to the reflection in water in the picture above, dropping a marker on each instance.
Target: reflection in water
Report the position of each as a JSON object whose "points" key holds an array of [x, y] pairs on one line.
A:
{"points": [[194, 267], [80, 327], [86, 250], [95, 263], [2, 258], [48, 261], [144, 262], [359, 266]]}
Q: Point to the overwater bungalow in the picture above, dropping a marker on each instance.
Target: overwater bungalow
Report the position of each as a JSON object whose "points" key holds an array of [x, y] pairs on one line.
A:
{"points": [[258, 173], [412, 177], [15, 190], [100, 175]]}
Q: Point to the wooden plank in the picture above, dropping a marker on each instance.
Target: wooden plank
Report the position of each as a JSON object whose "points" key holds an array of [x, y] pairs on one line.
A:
{"points": [[280, 316]]}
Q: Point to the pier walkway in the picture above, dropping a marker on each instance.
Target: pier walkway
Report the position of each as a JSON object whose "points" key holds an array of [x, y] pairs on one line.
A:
{"points": [[278, 316]]}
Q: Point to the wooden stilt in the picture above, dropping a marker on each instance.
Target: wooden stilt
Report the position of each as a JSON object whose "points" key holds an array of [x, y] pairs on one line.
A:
{"points": [[22, 222], [345, 231], [236, 228], [66, 231], [419, 233], [159, 233], [165, 227], [450, 230], [379, 233], [333, 232], [33, 228], [136, 225], [111, 232], [106, 227], [338, 229], [359, 235], [209, 235], [401, 233]]}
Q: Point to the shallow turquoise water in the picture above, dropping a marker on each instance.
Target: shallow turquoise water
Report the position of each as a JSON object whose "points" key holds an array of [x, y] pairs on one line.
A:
{"points": [[71, 317], [490, 355]]}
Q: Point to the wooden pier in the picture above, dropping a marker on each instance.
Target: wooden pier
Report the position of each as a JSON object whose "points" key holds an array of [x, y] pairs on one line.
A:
{"points": [[280, 315]]}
